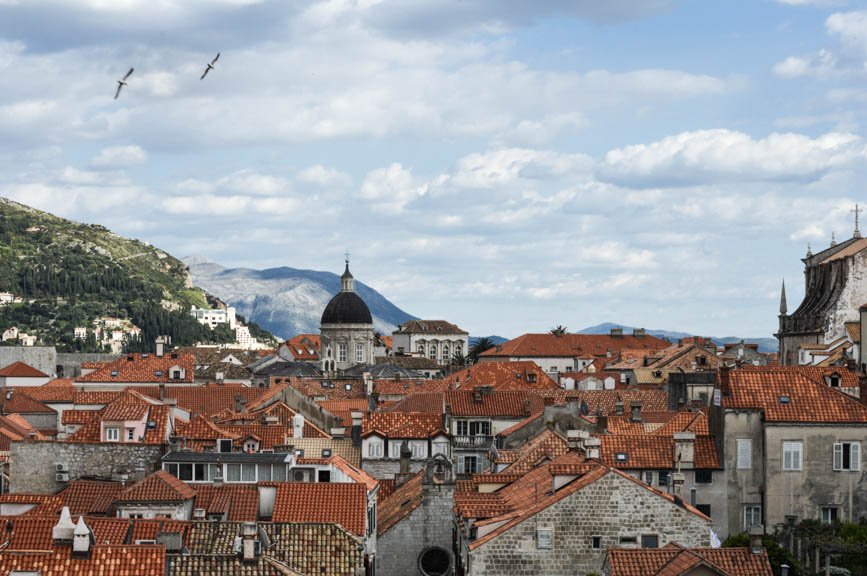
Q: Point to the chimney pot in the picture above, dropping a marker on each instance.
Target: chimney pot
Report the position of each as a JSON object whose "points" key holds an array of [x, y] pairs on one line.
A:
{"points": [[756, 533]]}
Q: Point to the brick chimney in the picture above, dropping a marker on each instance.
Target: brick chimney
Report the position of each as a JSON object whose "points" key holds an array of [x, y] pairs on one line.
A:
{"points": [[635, 411]]}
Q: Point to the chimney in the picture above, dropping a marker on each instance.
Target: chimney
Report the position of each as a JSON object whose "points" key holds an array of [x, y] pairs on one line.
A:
{"points": [[240, 403], [684, 449], [591, 447], [139, 470], [601, 421], [249, 531], [616, 332], [64, 530], [677, 480], [635, 410], [160, 346], [298, 426], [477, 395], [526, 406], [618, 408], [162, 390], [405, 455], [639, 332], [756, 533], [81, 538]]}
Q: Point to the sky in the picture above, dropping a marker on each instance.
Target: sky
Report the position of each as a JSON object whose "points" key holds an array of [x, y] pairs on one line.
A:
{"points": [[506, 165]]}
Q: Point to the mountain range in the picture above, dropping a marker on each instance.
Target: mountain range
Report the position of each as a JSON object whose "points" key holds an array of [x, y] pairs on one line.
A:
{"points": [[766, 345], [286, 301]]}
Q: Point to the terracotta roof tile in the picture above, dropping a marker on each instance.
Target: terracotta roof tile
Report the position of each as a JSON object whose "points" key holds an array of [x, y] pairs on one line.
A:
{"points": [[143, 368], [339, 503], [654, 452], [404, 500], [571, 345], [519, 375], [675, 560], [21, 370], [241, 501], [788, 396], [90, 496], [138, 560], [15, 401], [159, 486], [498, 403], [401, 424]]}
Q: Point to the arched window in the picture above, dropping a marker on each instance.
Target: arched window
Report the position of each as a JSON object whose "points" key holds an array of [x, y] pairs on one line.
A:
{"points": [[433, 351], [434, 561], [421, 348], [446, 352]]}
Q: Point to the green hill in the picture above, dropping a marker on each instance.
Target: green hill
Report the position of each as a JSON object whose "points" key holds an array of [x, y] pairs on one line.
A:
{"points": [[69, 274]]}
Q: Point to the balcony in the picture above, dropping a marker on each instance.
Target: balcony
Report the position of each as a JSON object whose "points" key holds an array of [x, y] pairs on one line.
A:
{"points": [[474, 442]]}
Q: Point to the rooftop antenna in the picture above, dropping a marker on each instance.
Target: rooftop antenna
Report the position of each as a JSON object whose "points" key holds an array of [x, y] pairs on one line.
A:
{"points": [[857, 231]]}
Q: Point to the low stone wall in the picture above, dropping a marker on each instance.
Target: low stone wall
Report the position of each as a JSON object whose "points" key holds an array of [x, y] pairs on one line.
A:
{"points": [[32, 464], [388, 467]]}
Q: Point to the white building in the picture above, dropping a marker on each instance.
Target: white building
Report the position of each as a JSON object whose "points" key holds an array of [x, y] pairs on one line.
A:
{"points": [[435, 339], [80, 333], [213, 318]]}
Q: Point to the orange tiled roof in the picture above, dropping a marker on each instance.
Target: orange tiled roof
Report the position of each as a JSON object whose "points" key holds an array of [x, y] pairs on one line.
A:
{"points": [[147, 529], [14, 401], [403, 500], [519, 375], [159, 486], [654, 452], [788, 396], [546, 445], [853, 330], [675, 560], [304, 347], [71, 416], [143, 368], [21, 370], [336, 389], [339, 503], [571, 345], [210, 400], [401, 424], [90, 496], [240, 500], [138, 560], [427, 402], [499, 403]]}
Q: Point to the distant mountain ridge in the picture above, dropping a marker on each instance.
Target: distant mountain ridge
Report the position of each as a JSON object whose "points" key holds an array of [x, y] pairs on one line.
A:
{"points": [[286, 301], [766, 345]]}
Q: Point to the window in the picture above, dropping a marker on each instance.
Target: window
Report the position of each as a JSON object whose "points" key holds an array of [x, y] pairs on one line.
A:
{"points": [[835, 381], [648, 477], [374, 450], [628, 540], [597, 542], [621, 457], [359, 353], [463, 428], [248, 472], [278, 473], [130, 434], [171, 468], [441, 448], [185, 472], [480, 428], [446, 352], [112, 434], [469, 465], [745, 454], [224, 445], [395, 449], [233, 472], [664, 477], [649, 541], [420, 349], [704, 476], [792, 452], [433, 561], [341, 352], [200, 473], [704, 509], [418, 450], [847, 456], [829, 515], [752, 516], [433, 351]]}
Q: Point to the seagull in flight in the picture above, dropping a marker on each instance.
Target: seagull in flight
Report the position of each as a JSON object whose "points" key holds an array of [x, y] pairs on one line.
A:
{"points": [[122, 83], [210, 66]]}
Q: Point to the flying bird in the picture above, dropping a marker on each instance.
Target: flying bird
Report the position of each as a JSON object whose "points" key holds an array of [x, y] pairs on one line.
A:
{"points": [[210, 66], [122, 83]]}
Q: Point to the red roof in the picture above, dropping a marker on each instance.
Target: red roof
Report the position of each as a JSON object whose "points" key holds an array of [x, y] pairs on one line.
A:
{"points": [[572, 345], [787, 396], [139, 560], [21, 370], [503, 404], [343, 503], [16, 401], [90, 496], [673, 560], [240, 500], [143, 368], [304, 347], [402, 501], [654, 452], [157, 487], [521, 375], [401, 424]]}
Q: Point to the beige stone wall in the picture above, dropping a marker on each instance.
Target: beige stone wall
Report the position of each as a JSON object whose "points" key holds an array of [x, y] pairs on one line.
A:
{"points": [[611, 508]]}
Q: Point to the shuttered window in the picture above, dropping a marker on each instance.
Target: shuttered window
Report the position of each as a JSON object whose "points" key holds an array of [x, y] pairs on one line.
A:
{"points": [[792, 455], [847, 456]]}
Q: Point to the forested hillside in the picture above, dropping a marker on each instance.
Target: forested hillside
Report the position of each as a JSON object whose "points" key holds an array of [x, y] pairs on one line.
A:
{"points": [[69, 274]]}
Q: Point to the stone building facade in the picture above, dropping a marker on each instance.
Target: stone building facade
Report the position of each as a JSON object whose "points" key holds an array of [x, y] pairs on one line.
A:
{"points": [[835, 288], [346, 329], [435, 339], [612, 512], [33, 465], [426, 533]]}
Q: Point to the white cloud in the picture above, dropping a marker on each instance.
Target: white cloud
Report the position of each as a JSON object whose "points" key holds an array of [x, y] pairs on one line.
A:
{"points": [[506, 166], [251, 182], [119, 157], [692, 157], [232, 206], [794, 67], [325, 177], [851, 27], [391, 189]]}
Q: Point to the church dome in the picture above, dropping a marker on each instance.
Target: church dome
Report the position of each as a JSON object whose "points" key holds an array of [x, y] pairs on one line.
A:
{"points": [[346, 308]]}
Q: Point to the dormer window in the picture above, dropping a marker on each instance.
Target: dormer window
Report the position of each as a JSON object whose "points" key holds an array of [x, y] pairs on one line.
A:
{"points": [[158, 373], [114, 373], [621, 457], [177, 373], [834, 381], [224, 445], [785, 400]]}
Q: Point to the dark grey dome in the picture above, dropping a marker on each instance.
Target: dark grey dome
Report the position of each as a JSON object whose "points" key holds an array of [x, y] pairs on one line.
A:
{"points": [[346, 308]]}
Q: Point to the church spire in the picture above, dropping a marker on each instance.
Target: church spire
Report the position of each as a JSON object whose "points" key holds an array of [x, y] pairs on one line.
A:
{"points": [[347, 282], [857, 233], [783, 307]]}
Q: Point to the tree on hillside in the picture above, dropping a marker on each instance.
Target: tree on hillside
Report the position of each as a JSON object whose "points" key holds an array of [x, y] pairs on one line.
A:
{"points": [[558, 330], [480, 346]]}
